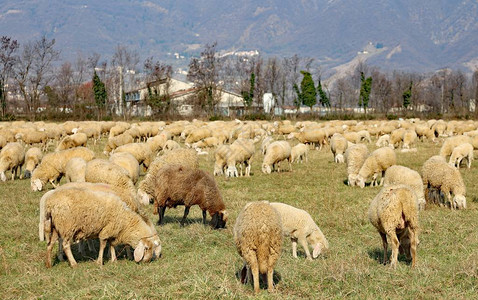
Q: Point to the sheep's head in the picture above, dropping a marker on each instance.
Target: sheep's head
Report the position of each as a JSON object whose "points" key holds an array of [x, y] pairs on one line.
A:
{"points": [[459, 202], [144, 198], [290, 136], [231, 171], [339, 159], [27, 174], [36, 185], [219, 219], [147, 249], [266, 169], [360, 181], [319, 242]]}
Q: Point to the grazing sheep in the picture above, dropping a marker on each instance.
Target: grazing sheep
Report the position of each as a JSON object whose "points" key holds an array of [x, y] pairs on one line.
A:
{"points": [[258, 238], [364, 135], [377, 162], [32, 158], [206, 143], [439, 128], [338, 146], [406, 176], [452, 142], [197, 135], [276, 152], [394, 213], [299, 225], [299, 152], [31, 137], [75, 170], [179, 185], [316, 137], [459, 153], [409, 138], [355, 156], [396, 138], [117, 141], [72, 214], [128, 163], [423, 131], [53, 165], [440, 176], [171, 145], [141, 151], [265, 143], [158, 142], [383, 141], [220, 159], [12, 158], [72, 141], [240, 152]]}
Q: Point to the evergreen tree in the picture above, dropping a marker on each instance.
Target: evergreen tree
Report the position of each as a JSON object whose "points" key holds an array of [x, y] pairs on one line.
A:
{"points": [[99, 90], [307, 94], [407, 95], [249, 96], [324, 99], [365, 88]]}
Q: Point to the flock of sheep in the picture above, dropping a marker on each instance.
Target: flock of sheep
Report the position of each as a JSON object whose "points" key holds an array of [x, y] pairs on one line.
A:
{"points": [[103, 199]]}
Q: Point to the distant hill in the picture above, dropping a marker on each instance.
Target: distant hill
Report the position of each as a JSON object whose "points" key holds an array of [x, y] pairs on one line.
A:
{"points": [[411, 35]]}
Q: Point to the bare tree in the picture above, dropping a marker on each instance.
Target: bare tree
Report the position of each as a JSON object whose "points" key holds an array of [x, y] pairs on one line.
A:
{"points": [[124, 63], [272, 78], [8, 57], [65, 85], [381, 90], [158, 83]]}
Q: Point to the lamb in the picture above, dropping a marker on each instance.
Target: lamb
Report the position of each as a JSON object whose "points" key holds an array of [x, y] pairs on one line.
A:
{"points": [[73, 214], [258, 238], [439, 175], [53, 166], [394, 213], [277, 152], [117, 141], [184, 157], [299, 152], [338, 146], [299, 225], [406, 176], [75, 170], [459, 153], [220, 159], [452, 142], [240, 152], [355, 156], [179, 185], [377, 162], [12, 158], [383, 141], [141, 151], [72, 141], [127, 162], [33, 157]]}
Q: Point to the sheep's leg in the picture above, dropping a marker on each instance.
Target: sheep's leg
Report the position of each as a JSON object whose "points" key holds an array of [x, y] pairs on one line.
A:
{"points": [[270, 279], [413, 246], [255, 276], [53, 184], [385, 247], [381, 178], [69, 255], [204, 217], [102, 250], [161, 211], [186, 212], [60, 250], [374, 179], [303, 243], [294, 247], [51, 243], [112, 253], [395, 244]]}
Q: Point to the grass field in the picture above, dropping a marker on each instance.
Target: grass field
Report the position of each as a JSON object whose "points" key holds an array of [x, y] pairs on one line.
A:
{"points": [[201, 263]]}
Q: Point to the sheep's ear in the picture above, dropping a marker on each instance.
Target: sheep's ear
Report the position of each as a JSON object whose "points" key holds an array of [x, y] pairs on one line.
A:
{"points": [[316, 251], [139, 252]]}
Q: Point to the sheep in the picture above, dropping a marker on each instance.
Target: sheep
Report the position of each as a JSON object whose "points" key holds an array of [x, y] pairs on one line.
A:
{"points": [[377, 162], [141, 151], [197, 135], [352, 137], [72, 141], [423, 131], [452, 142], [103, 171], [276, 152], [406, 176], [258, 238], [364, 135], [383, 141], [73, 214], [439, 128], [459, 153], [438, 175], [119, 128], [3, 141], [220, 162], [396, 138], [158, 142], [12, 158], [33, 157], [409, 138], [127, 162], [30, 137], [355, 156], [299, 225], [116, 141], [299, 152], [394, 213], [338, 146], [75, 170], [52, 166], [240, 152], [265, 143], [179, 185], [316, 137], [171, 145]]}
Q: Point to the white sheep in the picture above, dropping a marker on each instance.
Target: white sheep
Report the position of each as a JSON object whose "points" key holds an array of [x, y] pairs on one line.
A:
{"points": [[459, 153], [338, 146], [383, 141], [240, 152], [220, 162], [277, 152], [355, 156], [301, 228], [299, 152], [402, 175], [377, 162], [452, 142], [258, 239], [128, 163], [33, 157], [12, 158], [75, 170]]}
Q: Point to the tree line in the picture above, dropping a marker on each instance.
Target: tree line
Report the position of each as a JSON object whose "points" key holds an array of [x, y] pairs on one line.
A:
{"points": [[34, 83]]}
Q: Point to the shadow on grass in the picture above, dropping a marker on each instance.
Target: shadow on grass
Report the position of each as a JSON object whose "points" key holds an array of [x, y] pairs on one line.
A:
{"points": [[377, 255], [475, 199], [346, 182], [168, 220], [276, 278]]}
